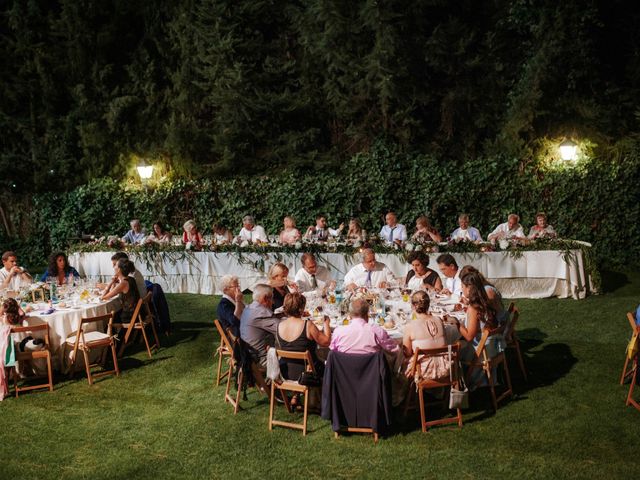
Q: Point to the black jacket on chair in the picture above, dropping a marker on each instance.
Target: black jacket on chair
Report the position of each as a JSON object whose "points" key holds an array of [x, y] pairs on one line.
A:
{"points": [[356, 391]]}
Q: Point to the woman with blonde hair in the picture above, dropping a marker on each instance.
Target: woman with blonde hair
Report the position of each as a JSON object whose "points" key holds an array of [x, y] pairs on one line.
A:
{"points": [[279, 281], [191, 235], [290, 234], [425, 232]]}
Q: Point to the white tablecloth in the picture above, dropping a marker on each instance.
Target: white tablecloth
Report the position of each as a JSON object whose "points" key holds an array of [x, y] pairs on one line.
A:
{"points": [[535, 274], [63, 322]]}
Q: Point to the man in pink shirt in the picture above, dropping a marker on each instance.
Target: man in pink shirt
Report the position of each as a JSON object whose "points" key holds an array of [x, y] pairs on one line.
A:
{"points": [[359, 337]]}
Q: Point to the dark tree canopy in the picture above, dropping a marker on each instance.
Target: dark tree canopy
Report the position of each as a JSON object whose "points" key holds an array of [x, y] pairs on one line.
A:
{"points": [[216, 86]]}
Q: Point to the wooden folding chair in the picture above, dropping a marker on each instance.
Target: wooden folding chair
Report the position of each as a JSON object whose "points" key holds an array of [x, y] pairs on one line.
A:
{"points": [[483, 361], [291, 386], [426, 384], [635, 330], [224, 350], [228, 346], [87, 341], [511, 337], [140, 319], [31, 355]]}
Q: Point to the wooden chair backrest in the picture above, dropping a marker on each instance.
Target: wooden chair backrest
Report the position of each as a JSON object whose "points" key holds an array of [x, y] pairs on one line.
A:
{"points": [[632, 321], [34, 328], [511, 307], [306, 356], [85, 321], [146, 300], [134, 319], [510, 329], [223, 335], [420, 353]]}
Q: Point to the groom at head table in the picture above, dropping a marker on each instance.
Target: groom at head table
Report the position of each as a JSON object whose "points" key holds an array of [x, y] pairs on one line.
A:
{"points": [[320, 231]]}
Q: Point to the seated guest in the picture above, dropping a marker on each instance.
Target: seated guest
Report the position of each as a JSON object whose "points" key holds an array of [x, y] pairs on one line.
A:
{"points": [[137, 276], [11, 313], [425, 232], [355, 232], [393, 232], [290, 234], [449, 268], [425, 331], [480, 314], [257, 329], [191, 236], [465, 232], [508, 230], [542, 229], [135, 236], [320, 232], [124, 286], [297, 335], [12, 276], [60, 270], [159, 234], [221, 235], [231, 305], [359, 336], [493, 294], [370, 273], [279, 281], [251, 232], [311, 276], [421, 277]]}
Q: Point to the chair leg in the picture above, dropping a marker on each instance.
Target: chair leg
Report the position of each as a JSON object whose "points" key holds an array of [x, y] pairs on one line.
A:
{"points": [[423, 419], [49, 372], [219, 351], [87, 366], [240, 380], [306, 411], [630, 400], [624, 369], [271, 405], [115, 358], [508, 375], [15, 380], [146, 340], [155, 334]]}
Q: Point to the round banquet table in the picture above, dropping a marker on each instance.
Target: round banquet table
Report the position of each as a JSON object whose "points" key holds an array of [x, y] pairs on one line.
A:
{"points": [[64, 321]]}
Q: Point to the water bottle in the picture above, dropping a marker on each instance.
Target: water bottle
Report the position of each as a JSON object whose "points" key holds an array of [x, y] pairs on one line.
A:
{"points": [[53, 291]]}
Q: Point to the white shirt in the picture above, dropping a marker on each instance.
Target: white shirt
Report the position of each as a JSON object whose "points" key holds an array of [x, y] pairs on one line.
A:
{"points": [[305, 282], [358, 275], [232, 300], [16, 281], [257, 234], [454, 284], [503, 231], [471, 234], [399, 233]]}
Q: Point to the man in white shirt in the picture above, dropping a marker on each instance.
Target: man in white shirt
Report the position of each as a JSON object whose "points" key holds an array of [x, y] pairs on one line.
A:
{"points": [[369, 273], [465, 232], [251, 232], [449, 268], [393, 232], [11, 275], [134, 236], [312, 276], [509, 230], [320, 231]]}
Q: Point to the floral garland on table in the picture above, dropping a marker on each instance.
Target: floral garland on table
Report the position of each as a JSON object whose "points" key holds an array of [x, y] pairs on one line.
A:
{"points": [[514, 248]]}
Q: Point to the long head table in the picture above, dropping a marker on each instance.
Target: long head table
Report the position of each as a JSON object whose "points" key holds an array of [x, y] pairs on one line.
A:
{"points": [[534, 274]]}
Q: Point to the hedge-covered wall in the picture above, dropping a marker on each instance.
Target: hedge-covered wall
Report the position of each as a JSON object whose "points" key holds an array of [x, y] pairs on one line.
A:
{"points": [[595, 200]]}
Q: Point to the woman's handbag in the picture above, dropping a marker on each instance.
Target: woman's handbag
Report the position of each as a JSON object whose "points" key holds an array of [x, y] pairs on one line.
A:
{"points": [[459, 397]]}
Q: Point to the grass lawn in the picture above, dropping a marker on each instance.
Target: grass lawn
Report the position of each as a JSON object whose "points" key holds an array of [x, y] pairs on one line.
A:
{"points": [[164, 419]]}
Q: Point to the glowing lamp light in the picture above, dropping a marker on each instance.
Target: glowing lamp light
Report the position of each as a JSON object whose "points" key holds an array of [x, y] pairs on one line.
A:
{"points": [[145, 171], [568, 150]]}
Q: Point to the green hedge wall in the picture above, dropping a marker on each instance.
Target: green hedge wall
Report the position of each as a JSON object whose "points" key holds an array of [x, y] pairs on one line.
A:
{"points": [[594, 200]]}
